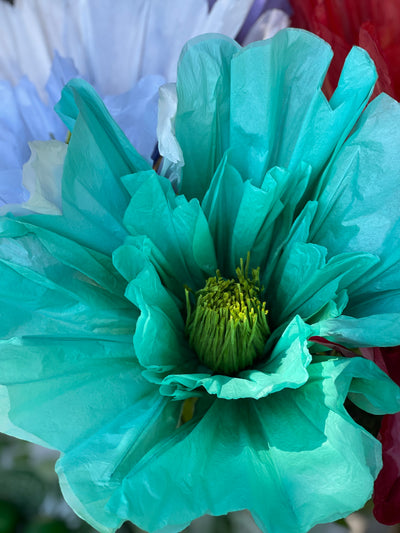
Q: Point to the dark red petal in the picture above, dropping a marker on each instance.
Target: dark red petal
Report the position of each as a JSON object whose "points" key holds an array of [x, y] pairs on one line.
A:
{"points": [[387, 485]]}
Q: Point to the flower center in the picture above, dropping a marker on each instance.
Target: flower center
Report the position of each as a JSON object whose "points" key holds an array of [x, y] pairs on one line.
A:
{"points": [[228, 326]]}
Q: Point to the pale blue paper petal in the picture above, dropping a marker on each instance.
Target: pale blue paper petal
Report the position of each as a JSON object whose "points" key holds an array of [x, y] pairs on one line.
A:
{"points": [[23, 118], [266, 25], [42, 178], [31, 31], [114, 48], [135, 112], [63, 69], [256, 13]]}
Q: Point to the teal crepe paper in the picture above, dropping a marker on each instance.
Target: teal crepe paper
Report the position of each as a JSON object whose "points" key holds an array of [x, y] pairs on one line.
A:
{"points": [[94, 358]]}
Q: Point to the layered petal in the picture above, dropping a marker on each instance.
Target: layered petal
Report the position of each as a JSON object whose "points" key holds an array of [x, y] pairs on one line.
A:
{"points": [[357, 210], [178, 228], [268, 124], [274, 469], [91, 473], [64, 289]]}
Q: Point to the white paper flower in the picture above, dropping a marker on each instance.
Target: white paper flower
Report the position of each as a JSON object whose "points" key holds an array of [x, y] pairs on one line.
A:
{"points": [[126, 51]]}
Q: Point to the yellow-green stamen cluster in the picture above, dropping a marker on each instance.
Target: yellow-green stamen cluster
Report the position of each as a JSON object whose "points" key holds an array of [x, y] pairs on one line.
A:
{"points": [[228, 326]]}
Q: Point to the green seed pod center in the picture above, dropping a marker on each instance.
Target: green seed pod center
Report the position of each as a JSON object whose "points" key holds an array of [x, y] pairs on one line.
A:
{"points": [[228, 326]]}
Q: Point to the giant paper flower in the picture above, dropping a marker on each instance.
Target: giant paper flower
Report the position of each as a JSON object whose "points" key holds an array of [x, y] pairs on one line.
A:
{"points": [[163, 341], [112, 47], [370, 24]]}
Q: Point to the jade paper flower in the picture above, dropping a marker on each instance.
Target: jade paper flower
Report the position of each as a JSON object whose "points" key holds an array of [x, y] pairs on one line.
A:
{"points": [[126, 52], [282, 229]]}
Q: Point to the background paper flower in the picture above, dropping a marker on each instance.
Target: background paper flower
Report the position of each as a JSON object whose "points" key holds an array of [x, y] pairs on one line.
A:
{"points": [[387, 485], [95, 360], [111, 47], [343, 23]]}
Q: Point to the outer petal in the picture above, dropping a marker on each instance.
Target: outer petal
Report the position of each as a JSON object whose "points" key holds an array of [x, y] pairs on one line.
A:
{"points": [[238, 101], [279, 114], [373, 330], [357, 190], [88, 400], [51, 287], [275, 470], [203, 89], [93, 471], [58, 392]]}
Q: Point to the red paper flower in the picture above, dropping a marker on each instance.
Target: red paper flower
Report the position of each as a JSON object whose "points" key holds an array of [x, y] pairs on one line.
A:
{"points": [[371, 24], [387, 485]]}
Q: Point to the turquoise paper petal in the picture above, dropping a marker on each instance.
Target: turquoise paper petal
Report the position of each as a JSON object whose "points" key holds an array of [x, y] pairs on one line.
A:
{"points": [[304, 282], [58, 392], [94, 198], [245, 216], [286, 367], [52, 287], [286, 452], [92, 471], [203, 88], [159, 340], [374, 330], [358, 206], [177, 227], [279, 115], [130, 258]]}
